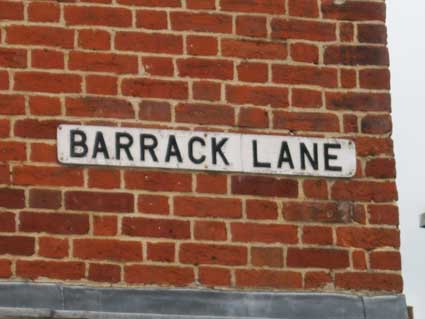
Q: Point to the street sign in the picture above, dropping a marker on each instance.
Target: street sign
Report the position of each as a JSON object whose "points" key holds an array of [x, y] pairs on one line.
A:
{"points": [[206, 151]]}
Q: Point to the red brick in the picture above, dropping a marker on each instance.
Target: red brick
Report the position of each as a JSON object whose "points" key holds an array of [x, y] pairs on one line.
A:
{"points": [[4, 174], [368, 102], [317, 279], [35, 128], [258, 95], [153, 204], [317, 258], [317, 235], [364, 191], [383, 215], [252, 72], [5, 266], [102, 84], [155, 111], [100, 202], [11, 10], [7, 222], [47, 176], [369, 146], [54, 223], [303, 52], [158, 181], [211, 183], [41, 152], [107, 249], [255, 118], [346, 32], [303, 8], [62, 270], [351, 124], [99, 107], [12, 104], [205, 230], [251, 26], [158, 66], [4, 80], [201, 254], [44, 198], [40, 35], [151, 19], [104, 178], [372, 33], [94, 39], [12, 198], [149, 88], [302, 29], [261, 209], [248, 49], [205, 69], [149, 42], [377, 79], [12, 151], [258, 6], [369, 281], [162, 252], [202, 45], [264, 186], [303, 121], [323, 212], [152, 3], [390, 260], [376, 124], [13, 58], [47, 59], [381, 168], [103, 62], [207, 207], [356, 55], [104, 273], [170, 275], [201, 22], [264, 233], [207, 91], [201, 4], [47, 82], [304, 75], [105, 225], [4, 128], [367, 238], [354, 10], [104, 16], [270, 257], [359, 259], [206, 114], [315, 188], [211, 276], [17, 245], [268, 279], [45, 105], [156, 228], [51, 247]]}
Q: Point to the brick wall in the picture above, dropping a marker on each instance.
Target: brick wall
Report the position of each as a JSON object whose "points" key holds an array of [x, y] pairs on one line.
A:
{"points": [[288, 67]]}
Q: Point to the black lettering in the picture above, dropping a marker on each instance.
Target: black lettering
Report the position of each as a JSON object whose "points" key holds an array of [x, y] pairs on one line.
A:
{"points": [[329, 157], [149, 147], [285, 156], [193, 140], [100, 146], [173, 150], [74, 144], [255, 152], [314, 160], [217, 149], [121, 145]]}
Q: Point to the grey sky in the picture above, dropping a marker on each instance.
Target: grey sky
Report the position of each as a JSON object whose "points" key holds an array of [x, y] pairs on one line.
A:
{"points": [[406, 24]]}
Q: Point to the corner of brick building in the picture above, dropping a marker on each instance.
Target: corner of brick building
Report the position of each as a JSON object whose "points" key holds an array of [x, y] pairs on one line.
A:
{"points": [[281, 67]]}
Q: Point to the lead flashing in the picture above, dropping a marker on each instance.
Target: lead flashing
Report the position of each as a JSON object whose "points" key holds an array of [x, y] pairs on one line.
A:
{"points": [[31, 300]]}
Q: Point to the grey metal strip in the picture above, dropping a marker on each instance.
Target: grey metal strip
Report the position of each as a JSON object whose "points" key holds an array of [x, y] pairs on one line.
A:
{"points": [[35, 300]]}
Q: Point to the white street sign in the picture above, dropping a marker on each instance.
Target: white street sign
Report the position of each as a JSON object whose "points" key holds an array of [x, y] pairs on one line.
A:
{"points": [[206, 151]]}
